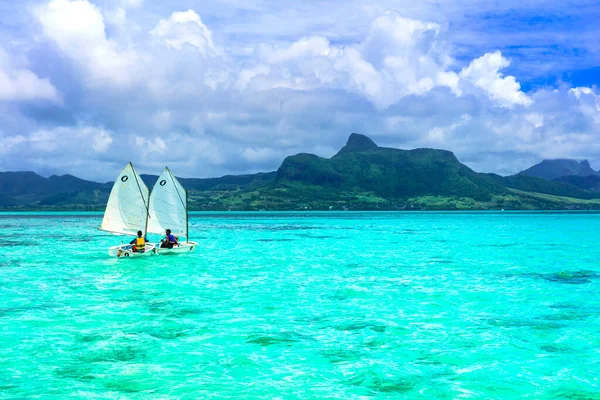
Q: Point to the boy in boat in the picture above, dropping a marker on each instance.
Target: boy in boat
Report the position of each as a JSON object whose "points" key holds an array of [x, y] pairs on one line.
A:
{"points": [[169, 241], [139, 243]]}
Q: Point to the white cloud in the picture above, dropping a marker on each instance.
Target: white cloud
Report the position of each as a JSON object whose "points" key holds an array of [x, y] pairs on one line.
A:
{"points": [[581, 91], [588, 98], [259, 155], [9, 143], [156, 145], [536, 119], [63, 140], [399, 57], [162, 119], [134, 3], [484, 72], [186, 28], [77, 28], [393, 34], [363, 78], [45, 141], [118, 17], [246, 75], [314, 46], [176, 88], [101, 140], [18, 84], [589, 103]]}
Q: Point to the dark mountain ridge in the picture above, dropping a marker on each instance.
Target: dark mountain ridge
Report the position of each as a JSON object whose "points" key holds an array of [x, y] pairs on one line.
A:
{"points": [[361, 175], [363, 166], [227, 182], [26, 188], [591, 182], [356, 143], [27, 182], [554, 169]]}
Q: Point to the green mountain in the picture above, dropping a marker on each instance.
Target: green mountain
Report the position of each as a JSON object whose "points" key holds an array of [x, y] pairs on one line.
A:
{"points": [[553, 169], [539, 185], [362, 166], [30, 190], [7, 201], [591, 182], [357, 143], [224, 183], [361, 176]]}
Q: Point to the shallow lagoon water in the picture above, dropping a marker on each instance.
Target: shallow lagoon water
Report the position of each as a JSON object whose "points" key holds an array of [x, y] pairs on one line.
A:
{"points": [[305, 305]]}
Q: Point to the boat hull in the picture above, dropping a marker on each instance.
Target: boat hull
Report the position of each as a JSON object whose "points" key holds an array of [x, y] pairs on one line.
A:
{"points": [[184, 247], [125, 251]]}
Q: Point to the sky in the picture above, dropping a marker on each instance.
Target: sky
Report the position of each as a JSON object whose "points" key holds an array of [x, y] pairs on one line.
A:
{"points": [[228, 87]]}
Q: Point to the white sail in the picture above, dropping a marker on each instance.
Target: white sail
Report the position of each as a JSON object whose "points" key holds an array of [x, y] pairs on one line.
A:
{"points": [[127, 208], [168, 206]]}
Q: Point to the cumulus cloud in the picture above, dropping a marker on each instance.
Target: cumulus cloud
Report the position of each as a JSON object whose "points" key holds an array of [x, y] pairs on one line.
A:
{"points": [[133, 3], [259, 155], [186, 28], [484, 72], [18, 84], [173, 88], [77, 29], [399, 57], [589, 102], [84, 139], [156, 145], [101, 141], [80, 150]]}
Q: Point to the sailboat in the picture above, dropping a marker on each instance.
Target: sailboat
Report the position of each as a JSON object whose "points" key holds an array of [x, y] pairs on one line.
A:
{"points": [[127, 212], [169, 210]]}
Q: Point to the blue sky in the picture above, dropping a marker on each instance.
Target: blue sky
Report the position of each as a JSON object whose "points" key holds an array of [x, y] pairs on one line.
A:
{"points": [[219, 87]]}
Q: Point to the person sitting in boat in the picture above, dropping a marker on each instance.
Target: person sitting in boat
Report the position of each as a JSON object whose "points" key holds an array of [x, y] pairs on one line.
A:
{"points": [[139, 243], [169, 241]]}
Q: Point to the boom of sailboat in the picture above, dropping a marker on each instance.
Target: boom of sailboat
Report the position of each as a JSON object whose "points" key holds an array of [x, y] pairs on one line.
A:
{"points": [[132, 207]]}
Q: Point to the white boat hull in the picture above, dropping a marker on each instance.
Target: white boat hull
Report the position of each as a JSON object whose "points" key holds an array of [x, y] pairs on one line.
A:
{"points": [[125, 250], [183, 247]]}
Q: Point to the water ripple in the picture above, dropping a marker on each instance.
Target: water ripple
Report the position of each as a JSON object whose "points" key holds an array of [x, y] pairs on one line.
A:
{"points": [[311, 305]]}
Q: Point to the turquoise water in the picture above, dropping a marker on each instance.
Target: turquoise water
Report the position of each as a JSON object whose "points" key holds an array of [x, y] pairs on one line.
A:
{"points": [[305, 305]]}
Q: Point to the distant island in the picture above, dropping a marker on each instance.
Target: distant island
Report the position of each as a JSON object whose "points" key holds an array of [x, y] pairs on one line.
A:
{"points": [[361, 176]]}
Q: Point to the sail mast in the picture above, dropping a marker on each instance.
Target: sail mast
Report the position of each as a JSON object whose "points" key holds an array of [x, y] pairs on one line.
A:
{"points": [[147, 215], [187, 218], [173, 179]]}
